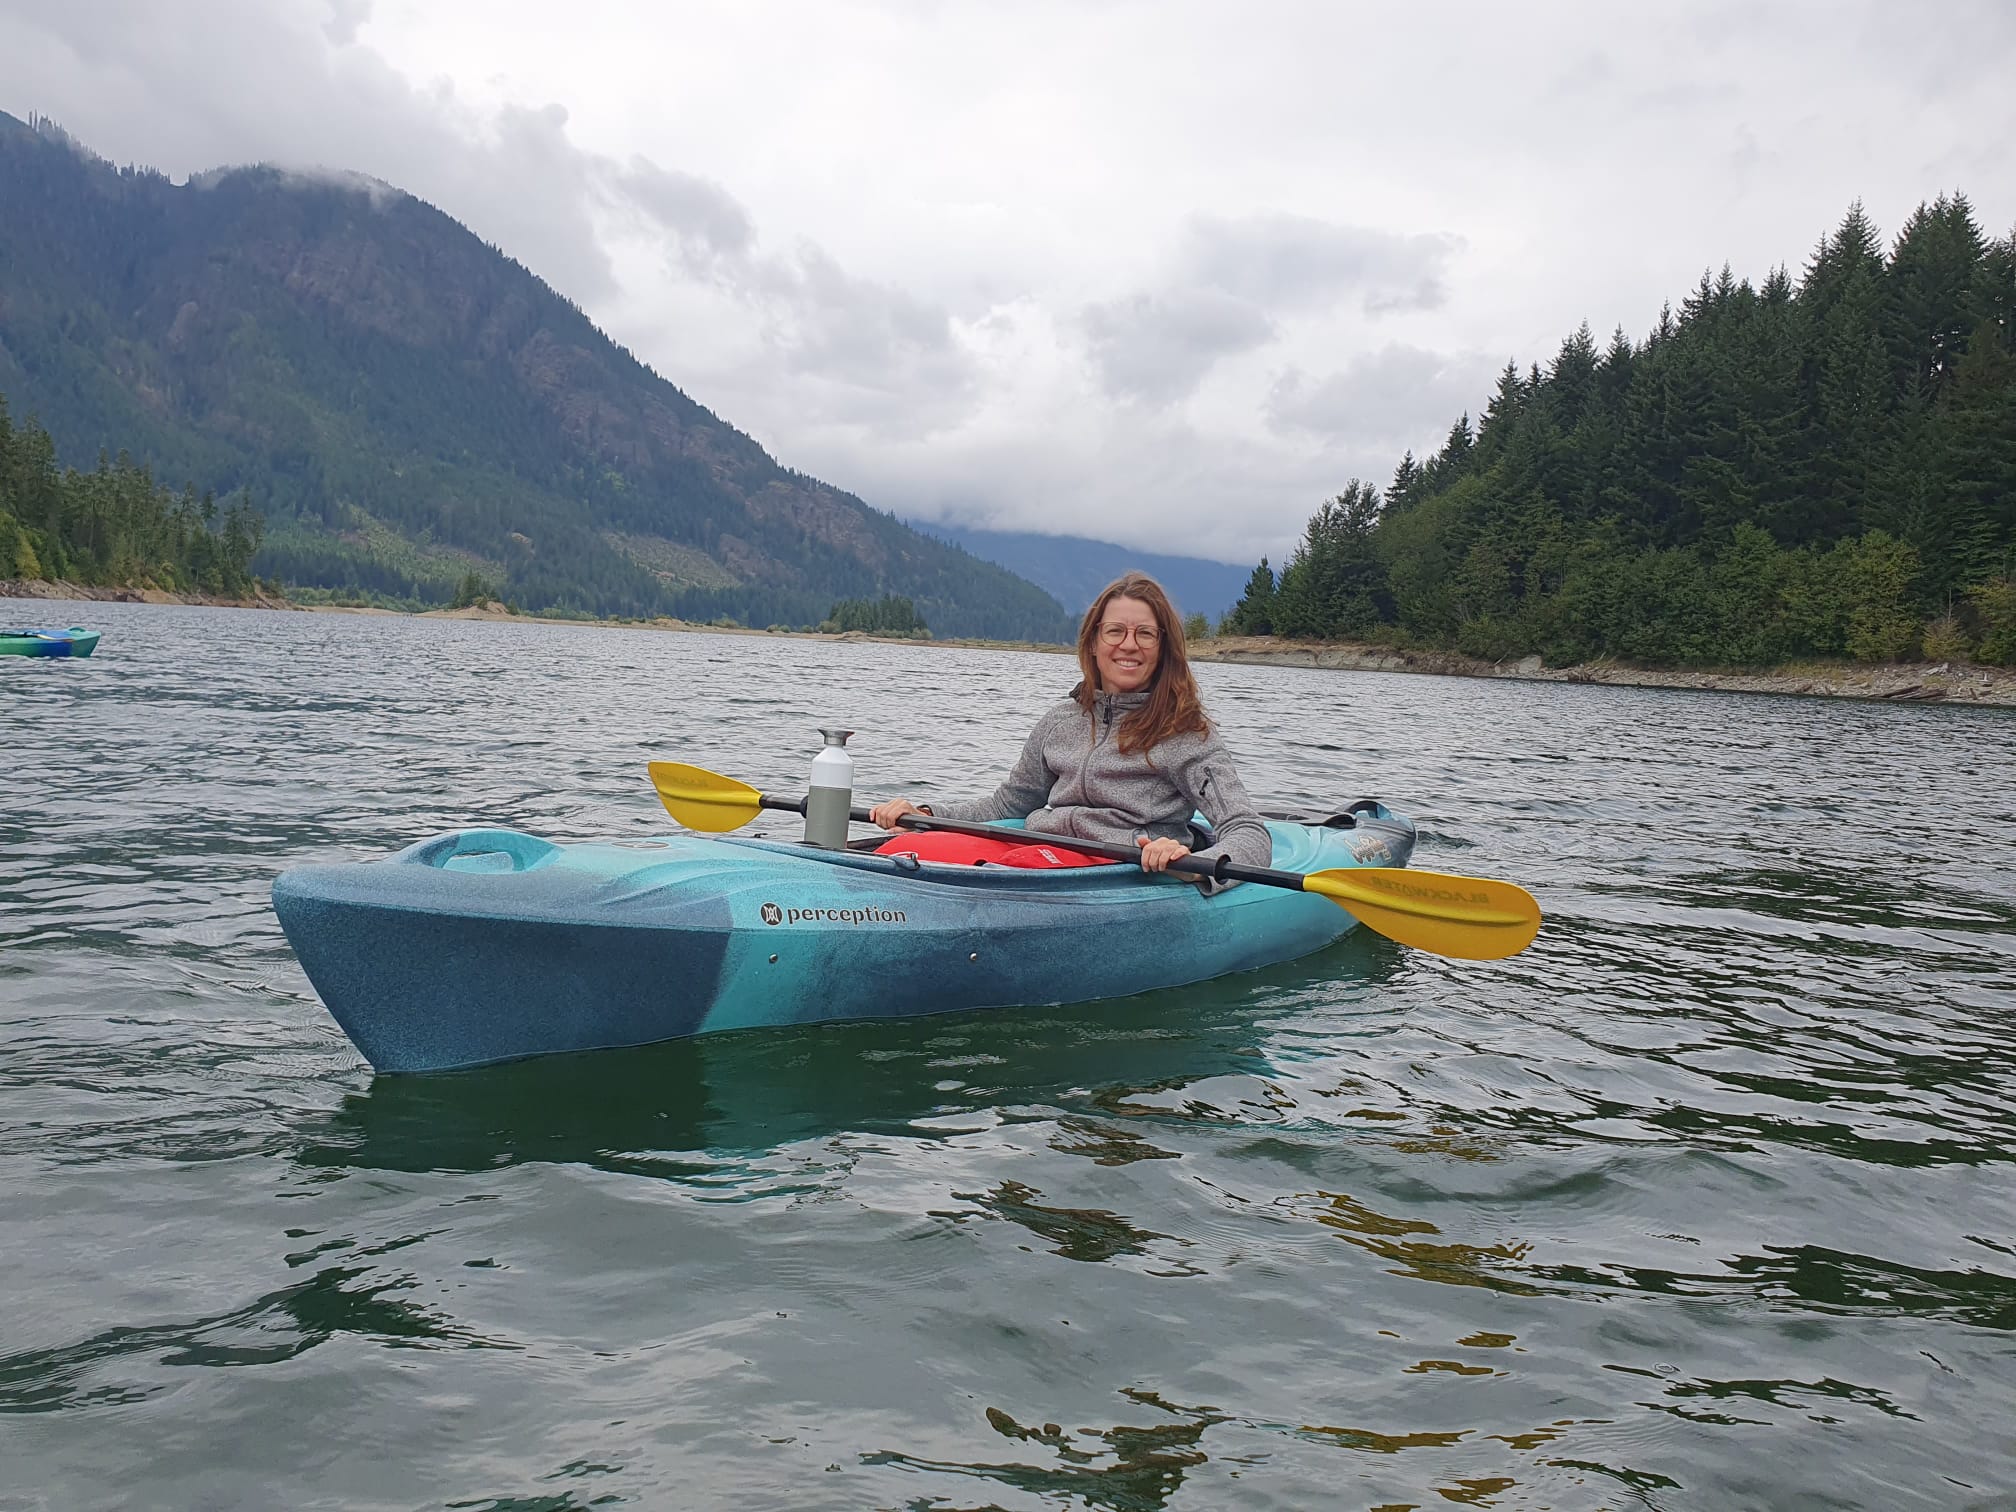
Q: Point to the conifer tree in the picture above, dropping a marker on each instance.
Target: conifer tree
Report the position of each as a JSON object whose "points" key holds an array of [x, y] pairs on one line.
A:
{"points": [[1254, 613], [1335, 584], [1935, 294]]}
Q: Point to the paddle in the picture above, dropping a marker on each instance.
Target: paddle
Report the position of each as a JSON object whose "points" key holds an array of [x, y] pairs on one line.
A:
{"points": [[1469, 918]]}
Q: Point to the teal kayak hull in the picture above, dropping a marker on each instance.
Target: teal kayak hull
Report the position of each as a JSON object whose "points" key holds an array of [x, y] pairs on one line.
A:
{"points": [[491, 945], [76, 641]]}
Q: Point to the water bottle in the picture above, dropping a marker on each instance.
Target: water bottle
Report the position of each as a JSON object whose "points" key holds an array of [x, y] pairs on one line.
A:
{"points": [[832, 794]]}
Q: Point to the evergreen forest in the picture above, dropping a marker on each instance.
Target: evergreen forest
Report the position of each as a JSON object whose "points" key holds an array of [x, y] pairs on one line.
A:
{"points": [[889, 615], [1814, 468], [115, 525]]}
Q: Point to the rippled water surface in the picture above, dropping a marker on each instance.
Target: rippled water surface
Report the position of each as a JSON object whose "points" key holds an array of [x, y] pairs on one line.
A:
{"points": [[1705, 1201]]}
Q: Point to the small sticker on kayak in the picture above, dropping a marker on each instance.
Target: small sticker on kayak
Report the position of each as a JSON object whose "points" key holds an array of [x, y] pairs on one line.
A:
{"points": [[772, 914], [1371, 851]]}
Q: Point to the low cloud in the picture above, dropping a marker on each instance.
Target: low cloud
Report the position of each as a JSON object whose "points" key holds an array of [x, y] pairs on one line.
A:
{"points": [[880, 358], [709, 223], [345, 17], [1233, 286], [1398, 397], [1155, 349], [1291, 262]]}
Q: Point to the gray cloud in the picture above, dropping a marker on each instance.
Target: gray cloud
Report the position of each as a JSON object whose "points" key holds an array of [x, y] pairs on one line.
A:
{"points": [[1232, 282], [125, 77], [345, 17], [1290, 262], [882, 358], [709, 221], [1397, 397], [1156, 349]]}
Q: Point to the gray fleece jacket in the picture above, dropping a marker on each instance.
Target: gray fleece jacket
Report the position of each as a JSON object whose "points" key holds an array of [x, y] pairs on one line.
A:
{"points": [[1072, 779]]}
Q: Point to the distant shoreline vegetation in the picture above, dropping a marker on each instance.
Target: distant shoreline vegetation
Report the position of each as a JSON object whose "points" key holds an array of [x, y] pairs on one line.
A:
{"points": [[1774, 474], [888, 615], [115, 526]]}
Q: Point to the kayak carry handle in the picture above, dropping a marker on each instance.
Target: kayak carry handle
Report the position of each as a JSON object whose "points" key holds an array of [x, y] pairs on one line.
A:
{"points": [[518, 851]]}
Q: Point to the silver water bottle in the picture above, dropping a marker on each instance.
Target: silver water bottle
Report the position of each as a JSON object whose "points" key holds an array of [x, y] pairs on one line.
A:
{"points": [[832, 793]]}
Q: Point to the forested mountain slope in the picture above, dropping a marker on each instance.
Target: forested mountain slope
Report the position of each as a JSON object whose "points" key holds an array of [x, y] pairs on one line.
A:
{"points": [[406, 405]]}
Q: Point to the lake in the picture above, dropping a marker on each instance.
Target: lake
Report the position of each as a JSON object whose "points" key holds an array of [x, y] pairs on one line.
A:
{"points": [[1706, 1200]]}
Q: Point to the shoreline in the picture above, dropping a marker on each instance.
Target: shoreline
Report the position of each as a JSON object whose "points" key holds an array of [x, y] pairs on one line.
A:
{"points": [[1902, 682]]}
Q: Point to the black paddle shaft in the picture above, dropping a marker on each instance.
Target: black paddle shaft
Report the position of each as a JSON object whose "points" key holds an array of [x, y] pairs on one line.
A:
{"points": [[1224, 869]]}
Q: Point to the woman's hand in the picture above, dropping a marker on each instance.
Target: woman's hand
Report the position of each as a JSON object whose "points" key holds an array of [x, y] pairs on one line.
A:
{"points": [[890, 815], [1157, 854]]}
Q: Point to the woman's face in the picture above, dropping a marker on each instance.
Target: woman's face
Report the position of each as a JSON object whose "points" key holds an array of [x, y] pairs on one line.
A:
{"points": [[1126, 648]]}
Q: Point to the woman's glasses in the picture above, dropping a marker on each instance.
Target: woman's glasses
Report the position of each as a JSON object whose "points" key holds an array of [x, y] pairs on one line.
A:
{"points": [[1145, 636]]}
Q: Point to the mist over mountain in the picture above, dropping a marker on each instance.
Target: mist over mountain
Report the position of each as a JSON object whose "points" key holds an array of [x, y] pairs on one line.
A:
{"points": [[1072, 569], [407, 405]]}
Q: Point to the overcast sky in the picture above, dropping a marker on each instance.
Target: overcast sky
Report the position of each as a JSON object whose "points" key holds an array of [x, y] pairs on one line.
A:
{"points": [[1166, 273]]}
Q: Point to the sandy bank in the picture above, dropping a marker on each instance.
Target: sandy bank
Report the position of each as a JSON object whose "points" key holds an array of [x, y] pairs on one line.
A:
{"points": [[35, 588], [1913, 682]]}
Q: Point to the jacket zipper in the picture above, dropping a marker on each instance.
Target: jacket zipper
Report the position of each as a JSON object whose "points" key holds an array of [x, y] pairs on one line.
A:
{"points": [[1091, 750]]}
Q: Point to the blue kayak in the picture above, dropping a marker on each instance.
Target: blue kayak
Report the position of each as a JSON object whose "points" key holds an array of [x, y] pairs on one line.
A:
{"points": [[76, 641], [492, 945]]}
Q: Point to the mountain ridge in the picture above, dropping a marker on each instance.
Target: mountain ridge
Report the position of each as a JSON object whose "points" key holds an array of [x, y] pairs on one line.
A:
{"points": [[408, 405], [1072, 569]]}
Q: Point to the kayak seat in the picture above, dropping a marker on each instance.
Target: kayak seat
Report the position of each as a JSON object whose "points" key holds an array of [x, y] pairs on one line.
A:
{"points": [[980, 850]]}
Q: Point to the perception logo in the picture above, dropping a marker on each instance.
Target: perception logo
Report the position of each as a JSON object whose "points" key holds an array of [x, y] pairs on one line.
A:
{"points": [[772, 914]]}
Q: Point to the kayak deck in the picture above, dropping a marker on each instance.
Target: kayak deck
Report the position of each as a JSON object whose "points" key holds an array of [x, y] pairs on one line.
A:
{"points": [[490, 944], [76, 641]]}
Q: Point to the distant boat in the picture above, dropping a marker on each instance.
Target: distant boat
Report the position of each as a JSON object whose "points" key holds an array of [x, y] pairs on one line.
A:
{"points": [[76, 641]]}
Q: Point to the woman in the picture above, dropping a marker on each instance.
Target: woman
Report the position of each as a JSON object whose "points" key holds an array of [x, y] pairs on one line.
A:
{"points": [[1129, 756]]}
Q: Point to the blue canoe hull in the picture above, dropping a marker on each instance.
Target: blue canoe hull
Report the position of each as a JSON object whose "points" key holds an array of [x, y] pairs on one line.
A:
{"points": [[493, 945]]}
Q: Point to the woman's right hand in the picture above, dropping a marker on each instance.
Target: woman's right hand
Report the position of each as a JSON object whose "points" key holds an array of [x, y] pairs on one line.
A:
{"points": [[890, 815]]}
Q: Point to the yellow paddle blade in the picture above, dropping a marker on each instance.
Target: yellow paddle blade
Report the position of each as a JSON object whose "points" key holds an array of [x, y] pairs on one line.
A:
{"points": [[1467, 917], [704, 800]]}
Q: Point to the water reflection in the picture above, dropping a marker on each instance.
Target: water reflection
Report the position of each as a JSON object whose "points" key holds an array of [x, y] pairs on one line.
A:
{"points": [[1088, 1234], [1125, 1468], [761, 1091], [122, 1364], [1417, 1250], [1804, 1279]]}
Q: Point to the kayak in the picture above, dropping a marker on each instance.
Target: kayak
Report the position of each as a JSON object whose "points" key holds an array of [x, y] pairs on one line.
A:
{"points": [[488, 945], [76, 641]]}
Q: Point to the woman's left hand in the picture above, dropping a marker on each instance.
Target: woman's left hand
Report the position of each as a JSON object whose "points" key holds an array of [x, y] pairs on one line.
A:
{"points": [[1157, 854]]}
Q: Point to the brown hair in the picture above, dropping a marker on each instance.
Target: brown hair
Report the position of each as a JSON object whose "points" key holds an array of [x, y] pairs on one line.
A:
{"points": [[1173, 706]]}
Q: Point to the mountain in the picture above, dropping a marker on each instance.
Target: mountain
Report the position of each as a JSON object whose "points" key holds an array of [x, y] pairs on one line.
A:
{"points": [[1073, 570], [407, 405]]}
